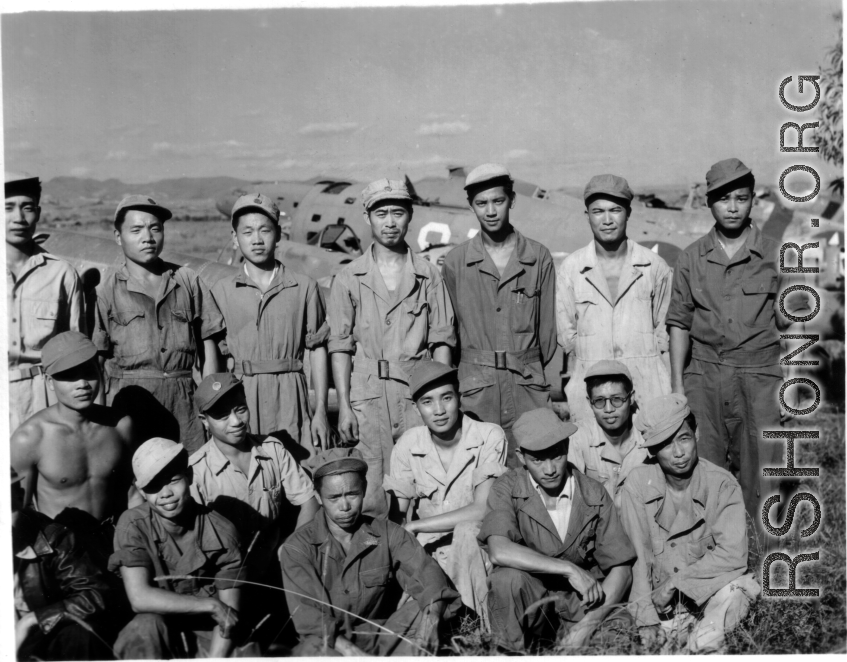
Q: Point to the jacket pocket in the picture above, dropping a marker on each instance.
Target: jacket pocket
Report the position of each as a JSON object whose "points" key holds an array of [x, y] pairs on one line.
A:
{"points": [[524, 309], [375, 578], [38, 322], [698, 548], [757, 302], [128, 332]]}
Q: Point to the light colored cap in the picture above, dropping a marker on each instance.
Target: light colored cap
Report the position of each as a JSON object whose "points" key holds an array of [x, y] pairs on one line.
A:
{"points": [[541, 428], [485, 173], [153, 456], [611, 185], [384, 189], [426, 373], [660, 418], [608, 367], [724, 172], [145, 203], [255, 202], [337, 461], [66, 350]]}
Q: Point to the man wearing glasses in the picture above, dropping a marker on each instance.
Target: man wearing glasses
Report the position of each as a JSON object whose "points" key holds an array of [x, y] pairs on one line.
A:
{"points": [[608, 451]]}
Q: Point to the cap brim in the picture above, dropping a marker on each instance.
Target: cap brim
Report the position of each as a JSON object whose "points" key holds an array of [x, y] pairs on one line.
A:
{"points": [[164, 461], [662, 438], [72, 360], [491, 182], [342, 466], [726, 182], [220, 394]]}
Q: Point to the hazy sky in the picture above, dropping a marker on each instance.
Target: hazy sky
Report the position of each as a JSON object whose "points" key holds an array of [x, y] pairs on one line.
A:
{"points": [[655, 91]]}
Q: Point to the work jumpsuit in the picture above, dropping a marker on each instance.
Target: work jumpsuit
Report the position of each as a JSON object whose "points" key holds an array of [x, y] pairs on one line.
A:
{"points": [[384, 560], [701, 548], [267, 334], [630, 329], [387, 335], [43, 301], [507, 330], [152, 344], [418, 475], [595, 541]]}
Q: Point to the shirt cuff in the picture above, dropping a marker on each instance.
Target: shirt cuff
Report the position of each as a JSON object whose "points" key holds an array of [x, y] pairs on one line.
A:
{"points": [[403, 489], [445, 335], [341, 344], [486, 471], [317, 338]]}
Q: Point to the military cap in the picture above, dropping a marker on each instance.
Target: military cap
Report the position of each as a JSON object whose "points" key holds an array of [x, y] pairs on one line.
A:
{"points": [[660, 418], [153, 456], [19, 184], [541, 428], [66, 350], [608, 368], [337, 461], [485, 173], [255, 202], [725, 172], [213, 388], [611, 185], [426, 373], [384, 189], [144, 203]]}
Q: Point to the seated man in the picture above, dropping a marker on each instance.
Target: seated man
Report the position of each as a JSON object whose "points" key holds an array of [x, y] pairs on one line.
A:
{"points": [[609, 450], [686, 518], [56, 583], [553, 532], [171, 534], [360, 566], [445, 469]]}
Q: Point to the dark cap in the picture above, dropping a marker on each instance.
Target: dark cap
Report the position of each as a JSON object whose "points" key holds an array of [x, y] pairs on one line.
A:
{"points": [[65, 351], [337, 461], [725, 172], [487, 172], [255, 202], [213, 388], [426, 373], [144, 203], [660, 418], [611, 185], [153, 456], [384, 189], [541, 428], [608, 368], [19, 184]]}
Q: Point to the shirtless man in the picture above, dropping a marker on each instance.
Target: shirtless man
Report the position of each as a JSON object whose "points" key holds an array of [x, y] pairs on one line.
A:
{"points": [[76, 454]]}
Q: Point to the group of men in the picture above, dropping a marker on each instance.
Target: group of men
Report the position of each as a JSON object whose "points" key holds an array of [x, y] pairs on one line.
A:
{"points": [[183, 513]]}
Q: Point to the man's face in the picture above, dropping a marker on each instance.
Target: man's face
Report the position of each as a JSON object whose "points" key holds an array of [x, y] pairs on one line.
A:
{"points": [[678, 455], [342, 496], [732, 208], [439, 408], [168, 494], [610, 418], [256, 236], [607, 218], [492, 209], [389, 221], [228, 420], [77, 387], [22, 213], [142, 236], [548, 468]]}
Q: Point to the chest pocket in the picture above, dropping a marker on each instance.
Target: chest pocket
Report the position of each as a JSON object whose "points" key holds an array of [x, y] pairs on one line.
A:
{"points": [[698, 549], [128, 332], [375, 581], [427, 491], [524, 309], [757, 302], [179, 329], [38, 322], [587, 301]]}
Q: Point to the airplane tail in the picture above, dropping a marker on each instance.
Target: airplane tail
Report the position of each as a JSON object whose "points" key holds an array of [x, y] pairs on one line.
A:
{"points": [[416, 199]]}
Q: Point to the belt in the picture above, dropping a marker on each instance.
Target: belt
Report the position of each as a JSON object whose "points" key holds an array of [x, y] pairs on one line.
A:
{"points": [[274, 367], [736, 358], [146, 373], [397, 370], [20, 374], [502, 360]]}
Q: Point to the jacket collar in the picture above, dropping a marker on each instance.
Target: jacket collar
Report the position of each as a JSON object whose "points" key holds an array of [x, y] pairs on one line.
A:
{"points": [[753, 243], [692, 509], [366, 269], [281, 280], [206, 538], [169, 282], [29, 541], [218, 461], [525, 252], [466, 452], [637, 258], [365, 539]]}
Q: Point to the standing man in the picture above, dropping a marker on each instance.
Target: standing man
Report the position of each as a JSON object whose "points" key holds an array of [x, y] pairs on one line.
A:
{"points": [[612, 297], [43, 298], [388, 310], [154, 319], [725, 312], [272, 316], [502, 285]]}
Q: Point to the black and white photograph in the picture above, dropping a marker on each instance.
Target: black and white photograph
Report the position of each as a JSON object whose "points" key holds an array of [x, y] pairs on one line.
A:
{"points": [[367, 329]]}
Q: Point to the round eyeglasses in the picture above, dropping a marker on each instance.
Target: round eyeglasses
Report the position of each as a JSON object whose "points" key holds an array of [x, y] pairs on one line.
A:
{"points": [[617, 401]]}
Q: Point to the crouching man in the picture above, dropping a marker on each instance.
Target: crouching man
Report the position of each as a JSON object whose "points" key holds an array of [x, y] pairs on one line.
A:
{"points": [[344, 573], [178, 561], [686, 518], [553, 532], [444, 470]]}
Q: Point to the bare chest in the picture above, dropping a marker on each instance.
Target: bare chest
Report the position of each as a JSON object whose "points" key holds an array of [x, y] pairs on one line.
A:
{"points": [[391, 274], [72, 458]]}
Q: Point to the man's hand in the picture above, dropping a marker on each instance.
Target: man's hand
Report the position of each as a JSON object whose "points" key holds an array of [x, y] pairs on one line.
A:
{"points": [[651, 636], [348, 425], [662, 596], [578, 635], [428, 634], [320, 429], [225, 616], [348, 649], [22, 628], [410, 527], [588, 588]]}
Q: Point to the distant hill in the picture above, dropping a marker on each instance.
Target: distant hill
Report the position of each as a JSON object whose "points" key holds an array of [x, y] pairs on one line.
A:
{"points": [[74, 189]]}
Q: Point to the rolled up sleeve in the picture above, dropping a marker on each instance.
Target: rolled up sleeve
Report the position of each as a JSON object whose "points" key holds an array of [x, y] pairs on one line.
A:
{"points": [[492, 458], [230, 564], [500, 517], [131, 546], [442, 321], [661, 302], [341, 316], [681, 308], [565, 310], [400, 479], [297, 485], [317, 327], [100, 332], [207, 311]]}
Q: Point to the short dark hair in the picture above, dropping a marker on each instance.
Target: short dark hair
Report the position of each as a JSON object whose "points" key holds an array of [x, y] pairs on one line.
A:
{"points": [[507, 184], [121, 215], [623, 202], [252, 210], [595, 382]]}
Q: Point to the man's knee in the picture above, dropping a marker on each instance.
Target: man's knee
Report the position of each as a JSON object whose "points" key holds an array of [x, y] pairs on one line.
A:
{"points": [[142, 638], [506, 583]]}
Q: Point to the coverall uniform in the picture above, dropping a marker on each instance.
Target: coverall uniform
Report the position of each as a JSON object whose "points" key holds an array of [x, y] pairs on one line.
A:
{"points": [[267, 334], [701, 548], [153, 343], [507, 330], [630, 329], [417, 474], [384, 560], [732, 381], [392, 332], [593, 539], [44, 300]]}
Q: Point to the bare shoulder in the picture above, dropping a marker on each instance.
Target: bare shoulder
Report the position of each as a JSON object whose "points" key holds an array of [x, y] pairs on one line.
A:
{"points": [[25, 443]]}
